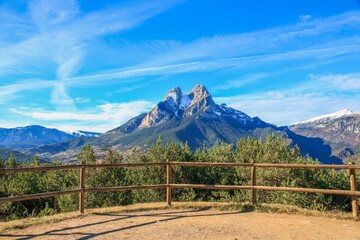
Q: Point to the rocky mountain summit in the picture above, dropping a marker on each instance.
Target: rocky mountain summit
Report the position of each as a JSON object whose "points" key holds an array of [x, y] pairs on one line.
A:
{"points": [[193, 117], [177, 105]]}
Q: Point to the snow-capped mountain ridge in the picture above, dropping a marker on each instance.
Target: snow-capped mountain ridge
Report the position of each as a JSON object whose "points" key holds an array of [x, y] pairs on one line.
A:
{"points": [[182, 106], [340, 131], [328, 117]]}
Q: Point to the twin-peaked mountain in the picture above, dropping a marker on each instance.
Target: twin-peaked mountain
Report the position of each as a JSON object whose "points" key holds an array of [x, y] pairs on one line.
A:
{"points": [[194, 118]]}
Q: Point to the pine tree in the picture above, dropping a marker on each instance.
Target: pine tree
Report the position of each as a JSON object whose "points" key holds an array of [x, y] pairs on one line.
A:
{"points": [[35, 160], [2, 163], [11, 163], [87, 155]]}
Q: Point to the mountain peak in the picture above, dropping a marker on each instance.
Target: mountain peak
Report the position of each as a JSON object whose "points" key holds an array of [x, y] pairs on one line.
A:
{"points": [[199, 92], [174, 94], [200, 100], [189, 117], [177, 106]]}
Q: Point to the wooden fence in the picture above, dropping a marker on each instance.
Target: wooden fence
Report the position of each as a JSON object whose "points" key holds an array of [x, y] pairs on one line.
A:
{"points": [[169, 185]]}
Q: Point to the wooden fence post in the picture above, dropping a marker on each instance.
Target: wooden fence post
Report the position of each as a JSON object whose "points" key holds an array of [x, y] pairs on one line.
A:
{"points": [[82, 193], [354, 198], [253, 182], [168, 182]]}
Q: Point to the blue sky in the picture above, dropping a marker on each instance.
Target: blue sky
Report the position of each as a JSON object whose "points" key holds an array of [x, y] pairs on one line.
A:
{"points": [[92, 65]]}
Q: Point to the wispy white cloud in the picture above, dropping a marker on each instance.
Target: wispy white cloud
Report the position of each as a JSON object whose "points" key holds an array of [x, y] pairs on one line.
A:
{"points": [[128, 89], [52, 14], [119, 18], [60, 97], [82, 100], [243, 51], [327, 55], [242, 81], [58, 34], [339, 82], [239, 63], [305, 18], [118, 112], [105, 116], [239, 51], [10, 92], [318, 95], [260, 42], [286, 107]]}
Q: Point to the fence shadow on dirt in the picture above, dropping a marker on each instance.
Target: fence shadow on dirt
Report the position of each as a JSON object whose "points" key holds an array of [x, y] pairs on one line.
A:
{"points": [[120, 221]]}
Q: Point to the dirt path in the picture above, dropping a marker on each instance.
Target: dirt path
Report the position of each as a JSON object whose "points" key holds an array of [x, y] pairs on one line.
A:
{"points": [[192, 224]]}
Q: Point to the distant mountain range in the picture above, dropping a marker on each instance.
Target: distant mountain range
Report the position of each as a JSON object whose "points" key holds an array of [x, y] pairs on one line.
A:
{"points": [[35, 136], [340, 131], [194, 118], [20, 157]]}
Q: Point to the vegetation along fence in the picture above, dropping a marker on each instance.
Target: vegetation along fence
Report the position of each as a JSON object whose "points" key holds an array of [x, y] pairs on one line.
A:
{"points": [[169, 185]]}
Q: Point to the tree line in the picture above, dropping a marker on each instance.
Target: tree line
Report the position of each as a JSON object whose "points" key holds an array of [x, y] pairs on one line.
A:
{"points": [[272, 150]]}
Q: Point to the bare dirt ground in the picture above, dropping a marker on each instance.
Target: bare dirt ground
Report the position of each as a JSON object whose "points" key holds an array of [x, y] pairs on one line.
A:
{"points": [[203, 223]]}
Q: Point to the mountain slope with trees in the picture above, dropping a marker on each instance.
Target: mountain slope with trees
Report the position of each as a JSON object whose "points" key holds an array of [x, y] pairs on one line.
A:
{"points": [[193, 118]]}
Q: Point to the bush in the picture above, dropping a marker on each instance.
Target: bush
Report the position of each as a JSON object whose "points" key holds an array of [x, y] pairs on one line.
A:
{"points": [[272, 150]]}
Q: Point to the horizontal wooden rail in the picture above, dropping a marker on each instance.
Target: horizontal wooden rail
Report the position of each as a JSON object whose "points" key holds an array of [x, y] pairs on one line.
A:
{"points": [[125, 188], [208, 186], [309, 190], [210, 164], [162, 186], [126, 165], [169, 186], [38, 196], [39, 169], [314, 166], [286, 189]]}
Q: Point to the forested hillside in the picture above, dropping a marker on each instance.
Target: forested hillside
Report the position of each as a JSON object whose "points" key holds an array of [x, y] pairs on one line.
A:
{"points": [[271, 150]]}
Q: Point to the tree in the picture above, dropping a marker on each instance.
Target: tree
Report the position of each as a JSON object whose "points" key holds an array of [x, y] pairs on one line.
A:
{"points": [[2, 163], [87, 155], [11, 163], [113, 156], [35, 160]]}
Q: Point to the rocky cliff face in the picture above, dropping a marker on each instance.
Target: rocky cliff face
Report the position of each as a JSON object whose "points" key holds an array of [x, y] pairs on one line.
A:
{"points": [[341, 130], [178, 105]]}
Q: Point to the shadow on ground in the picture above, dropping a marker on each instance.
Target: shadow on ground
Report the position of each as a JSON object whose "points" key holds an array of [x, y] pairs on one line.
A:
{"points": [[121, 218]]}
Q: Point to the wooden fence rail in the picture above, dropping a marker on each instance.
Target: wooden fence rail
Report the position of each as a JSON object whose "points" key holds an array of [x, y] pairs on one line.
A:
{"points": [[169, 185]]}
